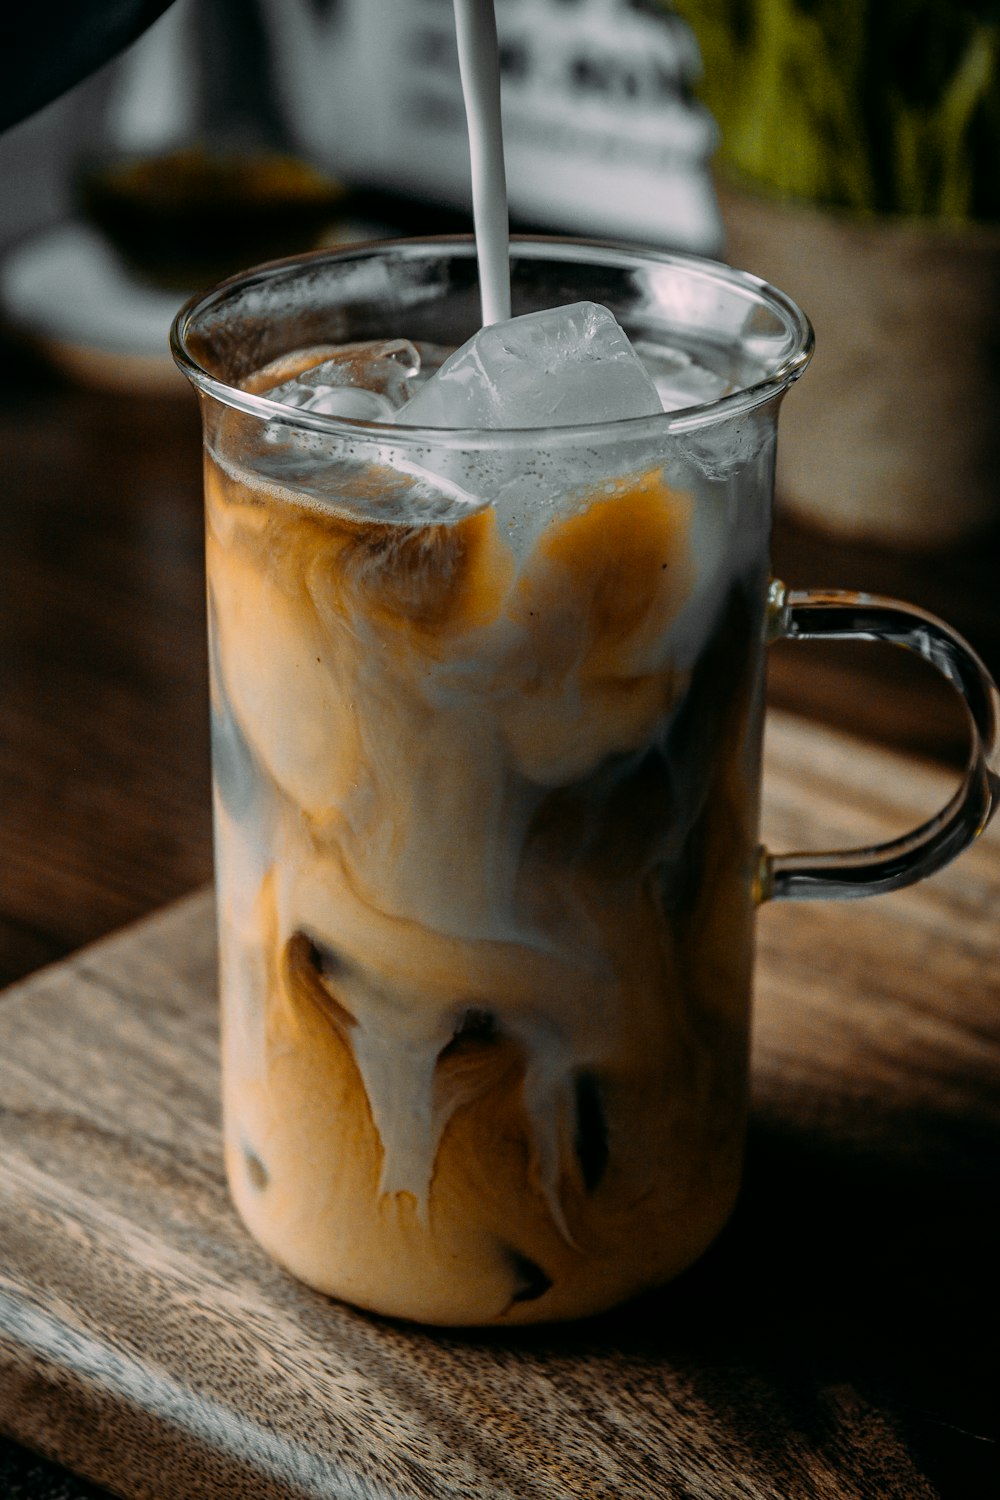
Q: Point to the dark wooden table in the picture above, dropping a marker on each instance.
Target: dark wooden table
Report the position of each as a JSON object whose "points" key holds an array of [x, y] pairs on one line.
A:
{"points": [[104, 777]]}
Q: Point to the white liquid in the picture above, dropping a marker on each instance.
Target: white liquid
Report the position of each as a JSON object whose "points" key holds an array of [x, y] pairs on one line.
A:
{"points": [[479, 63]]}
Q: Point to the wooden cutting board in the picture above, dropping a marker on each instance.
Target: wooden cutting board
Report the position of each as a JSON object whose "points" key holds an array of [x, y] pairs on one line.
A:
{"points": [[819, 1349]]}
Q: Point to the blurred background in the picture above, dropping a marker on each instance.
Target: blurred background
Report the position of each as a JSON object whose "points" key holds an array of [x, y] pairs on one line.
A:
{"points": [[846, 149], [237, 130]]}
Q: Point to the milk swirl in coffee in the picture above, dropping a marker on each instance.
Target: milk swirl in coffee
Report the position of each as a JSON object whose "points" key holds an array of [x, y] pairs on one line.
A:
{"points": [[485, 718]]}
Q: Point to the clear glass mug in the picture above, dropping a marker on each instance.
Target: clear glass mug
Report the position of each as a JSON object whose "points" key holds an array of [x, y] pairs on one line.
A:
{"points": [[487, 733]]}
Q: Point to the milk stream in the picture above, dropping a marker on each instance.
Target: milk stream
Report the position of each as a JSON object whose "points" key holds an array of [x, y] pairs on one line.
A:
{"points": [[479, 63]]}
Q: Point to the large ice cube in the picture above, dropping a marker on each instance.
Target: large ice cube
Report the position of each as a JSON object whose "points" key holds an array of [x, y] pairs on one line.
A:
{"points": [[368, 381], [559, 367]]}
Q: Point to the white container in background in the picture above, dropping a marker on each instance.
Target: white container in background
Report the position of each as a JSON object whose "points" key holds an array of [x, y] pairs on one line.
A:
{"points": [[601, 134]]}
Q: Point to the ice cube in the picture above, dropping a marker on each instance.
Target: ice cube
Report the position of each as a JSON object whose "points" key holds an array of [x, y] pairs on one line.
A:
{"points": [[681, 380], [367, 381], [559, 367]]}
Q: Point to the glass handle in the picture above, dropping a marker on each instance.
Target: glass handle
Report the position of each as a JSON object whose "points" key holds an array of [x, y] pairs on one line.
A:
{"points": [[822, 615]]}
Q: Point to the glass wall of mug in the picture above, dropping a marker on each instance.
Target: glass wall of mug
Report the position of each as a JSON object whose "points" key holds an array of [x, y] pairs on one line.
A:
{"points": [[487, 724]]}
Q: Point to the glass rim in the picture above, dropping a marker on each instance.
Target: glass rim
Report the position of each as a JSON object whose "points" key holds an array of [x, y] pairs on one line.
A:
{"points": [[525, 248]]}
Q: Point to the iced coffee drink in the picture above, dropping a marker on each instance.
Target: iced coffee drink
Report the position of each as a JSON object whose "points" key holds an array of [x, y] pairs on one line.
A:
{"points": [[487, 720]]}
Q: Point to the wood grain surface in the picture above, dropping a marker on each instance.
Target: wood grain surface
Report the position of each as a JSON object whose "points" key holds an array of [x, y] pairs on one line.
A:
{"points": [[821, 1348]]}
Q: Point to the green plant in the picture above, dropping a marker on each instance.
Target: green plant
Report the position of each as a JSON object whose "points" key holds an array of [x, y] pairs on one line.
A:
{"points": [[887, 105]]}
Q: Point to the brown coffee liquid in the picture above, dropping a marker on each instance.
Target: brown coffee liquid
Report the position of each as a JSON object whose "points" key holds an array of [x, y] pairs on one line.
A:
{"points": [[485, 859]]}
